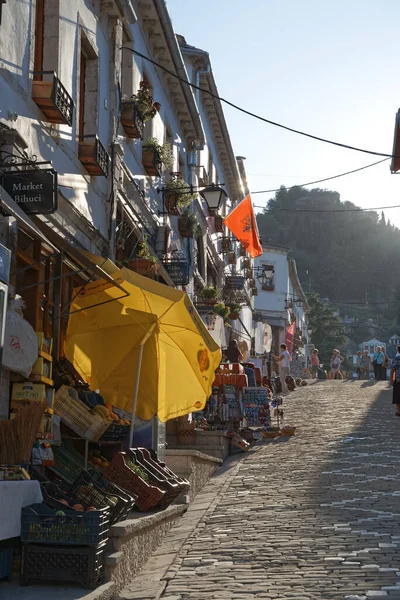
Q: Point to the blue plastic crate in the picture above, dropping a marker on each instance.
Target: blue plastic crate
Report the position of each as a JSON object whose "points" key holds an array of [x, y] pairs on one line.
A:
{"points": [[6, 562], [40, 524]]}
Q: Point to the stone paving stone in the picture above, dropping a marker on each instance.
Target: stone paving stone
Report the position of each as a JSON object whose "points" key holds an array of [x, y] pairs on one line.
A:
{"points": [[314, 517]]}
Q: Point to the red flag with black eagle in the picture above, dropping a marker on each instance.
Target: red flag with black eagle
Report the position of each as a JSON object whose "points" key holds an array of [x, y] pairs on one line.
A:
{"points": [[242, 223], [290, 338]]}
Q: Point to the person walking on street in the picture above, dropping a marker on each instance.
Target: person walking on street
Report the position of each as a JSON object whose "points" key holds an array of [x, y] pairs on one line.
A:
{"points": [[359, 365], [395, 380], [314, 363], [336, 360], [284, 366], [378, 362], [366, 364]]}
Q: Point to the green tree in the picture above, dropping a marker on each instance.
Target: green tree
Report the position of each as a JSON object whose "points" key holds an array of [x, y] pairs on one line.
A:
{"points": [[328, 332]]}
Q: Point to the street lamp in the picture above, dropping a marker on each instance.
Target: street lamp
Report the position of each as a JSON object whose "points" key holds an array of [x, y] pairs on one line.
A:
{"points": [[213, 196], [265, 275]]}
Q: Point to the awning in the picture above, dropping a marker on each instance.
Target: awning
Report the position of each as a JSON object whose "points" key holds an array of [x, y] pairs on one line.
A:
{"points": [[102, 267], [13, 210]]}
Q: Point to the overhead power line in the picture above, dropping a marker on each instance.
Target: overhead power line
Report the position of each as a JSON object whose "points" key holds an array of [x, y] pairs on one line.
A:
{"points": [[254, 115], [321, 180], [333, 210]]}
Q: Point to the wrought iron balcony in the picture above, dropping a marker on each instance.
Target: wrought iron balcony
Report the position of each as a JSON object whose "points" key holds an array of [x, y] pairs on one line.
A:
{"points": [[131, 120], [94, 156], [151, 161], [52, 98]]}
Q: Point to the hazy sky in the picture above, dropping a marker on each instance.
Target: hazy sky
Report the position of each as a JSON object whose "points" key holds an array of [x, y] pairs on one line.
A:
{"points": [[329, 68]]}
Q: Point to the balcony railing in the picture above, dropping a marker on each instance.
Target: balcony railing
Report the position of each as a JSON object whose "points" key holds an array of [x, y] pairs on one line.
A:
{"points": [[53, 99], [94, 156], [131, 120]]}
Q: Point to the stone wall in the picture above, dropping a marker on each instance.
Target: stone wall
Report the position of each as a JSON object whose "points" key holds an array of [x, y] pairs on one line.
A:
{"points": [[193, 465], [133, 541]]}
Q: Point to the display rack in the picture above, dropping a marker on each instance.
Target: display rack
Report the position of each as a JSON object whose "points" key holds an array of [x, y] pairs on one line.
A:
{"points": [[255, 402]]}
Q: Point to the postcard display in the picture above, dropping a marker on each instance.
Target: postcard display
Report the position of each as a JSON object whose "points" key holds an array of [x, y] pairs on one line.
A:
{"points": [[255, 402], [225, 405]]}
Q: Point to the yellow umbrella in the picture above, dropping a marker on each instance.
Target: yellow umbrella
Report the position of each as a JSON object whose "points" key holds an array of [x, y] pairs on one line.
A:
{"points": [[148, 353]]}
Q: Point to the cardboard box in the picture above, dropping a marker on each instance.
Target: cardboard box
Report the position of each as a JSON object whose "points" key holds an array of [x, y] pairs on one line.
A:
{"points": [[45, 344], [18, 405], [28, 391]]}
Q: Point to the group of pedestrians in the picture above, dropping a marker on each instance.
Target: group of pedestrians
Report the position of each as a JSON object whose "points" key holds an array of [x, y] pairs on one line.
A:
{"points": [[378, 360]]}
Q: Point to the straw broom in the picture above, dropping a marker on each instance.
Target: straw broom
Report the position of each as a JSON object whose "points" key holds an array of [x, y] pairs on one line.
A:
{"points": [[18, 435]]}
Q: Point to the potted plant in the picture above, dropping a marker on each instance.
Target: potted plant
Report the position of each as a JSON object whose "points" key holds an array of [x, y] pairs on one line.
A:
{"points": [[232, 258], [221, 309], [246, 263], [234, 310], [156, 156], [242, 250], [137, 110], [208, 295], [187, 224], [177, 195], [146, 261], [248, 274]]}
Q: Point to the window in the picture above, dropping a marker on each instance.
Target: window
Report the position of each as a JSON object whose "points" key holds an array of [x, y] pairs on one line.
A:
{"points": [[1, 8], [127, 62], [200, 258], [35, 276], [268, 272], [148, 126], [88, 88], [46, 50], [210, 168]]}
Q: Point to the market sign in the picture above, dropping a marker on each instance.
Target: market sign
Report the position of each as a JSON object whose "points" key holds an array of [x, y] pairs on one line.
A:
{"points": [[35, 191], [178, 270], [235, 282]]}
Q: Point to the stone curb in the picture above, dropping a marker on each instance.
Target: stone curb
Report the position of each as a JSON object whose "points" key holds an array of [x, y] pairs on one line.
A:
{"points": [[143, 586]]}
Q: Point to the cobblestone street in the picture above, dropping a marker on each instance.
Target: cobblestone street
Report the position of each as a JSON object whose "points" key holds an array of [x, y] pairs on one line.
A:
{"points": [[315, 516]]}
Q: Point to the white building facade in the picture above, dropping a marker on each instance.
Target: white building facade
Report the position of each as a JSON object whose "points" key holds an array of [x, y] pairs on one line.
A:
{"points": [[281, 300]]}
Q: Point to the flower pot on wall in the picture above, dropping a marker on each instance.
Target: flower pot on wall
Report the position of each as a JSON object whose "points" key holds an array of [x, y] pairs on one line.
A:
{"points": [[242, 250], [53, 100], [185, 228], [226, 245], [94, 156], [218, 223], [234, 316], [231, 258], [151, 161], [132, 120], [171, 203], [143, 266]]}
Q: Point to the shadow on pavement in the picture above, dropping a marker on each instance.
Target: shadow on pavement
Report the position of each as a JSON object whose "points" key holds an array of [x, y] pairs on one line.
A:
{"points": [[355, 494]]}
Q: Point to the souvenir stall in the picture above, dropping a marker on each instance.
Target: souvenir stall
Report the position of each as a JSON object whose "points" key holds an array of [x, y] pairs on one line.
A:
{"points": [[68, 467]]}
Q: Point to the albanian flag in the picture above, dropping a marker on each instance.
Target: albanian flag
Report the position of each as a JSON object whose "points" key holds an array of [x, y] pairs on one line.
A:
{"points": [[290, 337], [242, 222]]}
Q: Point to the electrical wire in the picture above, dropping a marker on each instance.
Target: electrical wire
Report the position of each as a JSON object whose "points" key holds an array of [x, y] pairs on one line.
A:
{"points": [[254, 115], [321, 180], [333, 210]]}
